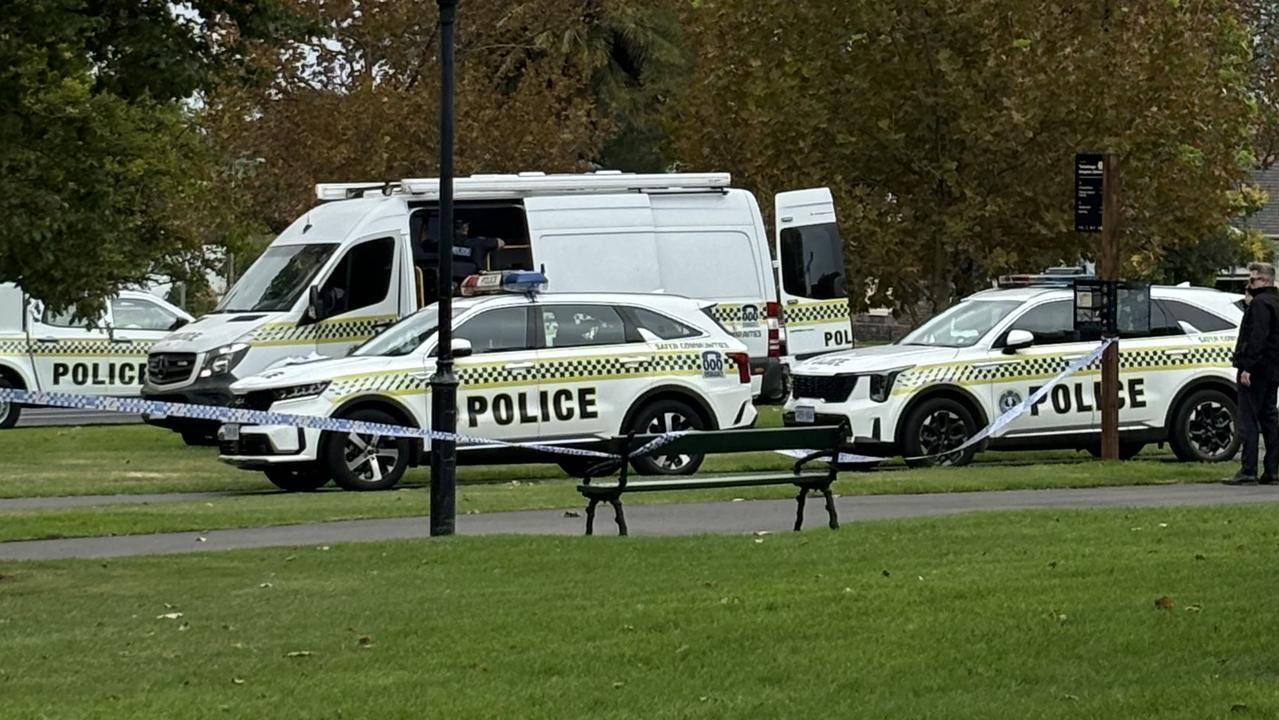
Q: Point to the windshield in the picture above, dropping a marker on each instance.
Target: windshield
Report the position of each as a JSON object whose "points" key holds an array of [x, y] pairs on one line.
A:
{"points": [[813, 262], [403, 337], [962, 325], [276, 280]]}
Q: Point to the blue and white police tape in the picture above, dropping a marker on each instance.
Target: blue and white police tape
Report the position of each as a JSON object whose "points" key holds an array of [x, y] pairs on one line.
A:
{"points": [[998, 424], [242, 416]]}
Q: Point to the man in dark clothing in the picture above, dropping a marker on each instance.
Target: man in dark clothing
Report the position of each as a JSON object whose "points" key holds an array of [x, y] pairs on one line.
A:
{"points": [[469, 253], [1257, 359]]}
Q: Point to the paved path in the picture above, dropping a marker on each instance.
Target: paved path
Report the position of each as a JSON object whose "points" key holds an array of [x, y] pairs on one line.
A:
{"points": [[667, 519]]}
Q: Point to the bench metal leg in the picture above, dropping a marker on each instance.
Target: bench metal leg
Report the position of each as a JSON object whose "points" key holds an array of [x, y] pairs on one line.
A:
{"points": [[590, 516], [800, 499], [830, 508], [619, 515]]}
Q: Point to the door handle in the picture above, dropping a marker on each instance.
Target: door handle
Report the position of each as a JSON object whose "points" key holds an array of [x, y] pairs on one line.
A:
{"points": [[998, 363], [420, 375], [796, 331], [47, 340], [122, 341], [635, 359], [1177, 353], [518, 366]]}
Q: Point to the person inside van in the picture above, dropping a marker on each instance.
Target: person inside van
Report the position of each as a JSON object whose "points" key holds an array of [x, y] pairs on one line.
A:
{"points": [[470, 254]]}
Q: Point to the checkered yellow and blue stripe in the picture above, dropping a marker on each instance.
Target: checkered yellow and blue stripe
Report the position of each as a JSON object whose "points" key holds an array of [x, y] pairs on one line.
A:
{"points": [[77, 348], [328, 331], [817, 313], [1170, 357], [550, 371]]}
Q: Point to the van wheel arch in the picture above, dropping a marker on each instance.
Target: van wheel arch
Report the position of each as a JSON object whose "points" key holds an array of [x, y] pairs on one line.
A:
{"points": [[1214, 383], [670, 392], [394, 408], [9, 412]]}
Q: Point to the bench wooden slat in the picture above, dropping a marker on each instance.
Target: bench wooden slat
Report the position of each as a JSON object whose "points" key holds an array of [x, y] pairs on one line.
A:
{"points": [[695, 482], [820, 437]]}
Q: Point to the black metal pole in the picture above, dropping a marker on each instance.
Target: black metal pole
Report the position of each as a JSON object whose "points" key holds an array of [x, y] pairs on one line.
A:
{"points": [[444, 382]]}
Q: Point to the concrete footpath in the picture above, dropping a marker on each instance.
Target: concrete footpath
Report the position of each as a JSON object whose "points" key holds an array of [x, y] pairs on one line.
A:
{"points": [[666, 519]]}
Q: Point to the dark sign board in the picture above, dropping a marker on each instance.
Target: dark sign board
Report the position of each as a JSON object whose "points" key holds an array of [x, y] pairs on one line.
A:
{"points": [[1111, 307], [1088, 192]]}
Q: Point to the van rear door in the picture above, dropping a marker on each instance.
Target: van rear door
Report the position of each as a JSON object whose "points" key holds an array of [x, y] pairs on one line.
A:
{"points": [[810, 254]]}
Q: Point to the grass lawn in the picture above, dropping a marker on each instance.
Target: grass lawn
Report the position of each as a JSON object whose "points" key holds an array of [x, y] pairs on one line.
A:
{"points": [[139, 459], [1034, 614]]}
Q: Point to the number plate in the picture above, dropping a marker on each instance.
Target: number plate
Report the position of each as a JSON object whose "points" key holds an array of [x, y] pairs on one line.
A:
{"points": [[805, 414], [231, 432]]}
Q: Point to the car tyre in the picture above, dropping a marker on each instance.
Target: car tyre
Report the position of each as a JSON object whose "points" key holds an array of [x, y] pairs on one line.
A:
{"points": [[360, 461], [9, 411], [292, 478], [661, 417], [1205, 427], [935, 426]]}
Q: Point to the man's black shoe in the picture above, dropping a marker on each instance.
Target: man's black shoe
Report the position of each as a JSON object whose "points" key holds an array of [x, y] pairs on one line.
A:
{"points": [[1241, 478], [1268, 480]]}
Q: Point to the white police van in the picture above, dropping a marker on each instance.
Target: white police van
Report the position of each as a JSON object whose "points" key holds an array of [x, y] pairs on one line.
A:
{"points": [[51, 352], [929, 392], [367, 255], [563, 369]]}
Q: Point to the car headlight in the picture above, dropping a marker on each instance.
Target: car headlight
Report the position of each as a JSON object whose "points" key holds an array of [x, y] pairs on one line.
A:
{"points": [[881, 384], [224, 359], [299, 391]]}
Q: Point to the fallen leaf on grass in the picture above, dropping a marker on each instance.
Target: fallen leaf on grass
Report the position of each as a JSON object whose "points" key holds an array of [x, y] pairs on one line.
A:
{"points": [[298, 653], [886, 573], [617, 685], [759, 540], [365, 641], [201, 539], [1238, 707], [1200, 556], [237, 681], [323, 547], [1163, 602], [265, 585], [1194, 608], [169, 616]]}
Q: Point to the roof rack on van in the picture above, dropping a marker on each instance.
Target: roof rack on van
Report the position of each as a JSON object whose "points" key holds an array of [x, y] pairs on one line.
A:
{"points": [[346, 191], [604, 181]]}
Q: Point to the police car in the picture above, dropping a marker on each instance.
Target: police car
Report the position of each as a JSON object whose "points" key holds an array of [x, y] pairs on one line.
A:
{"points": [[54, 352], [562, 369], [936, 387]]}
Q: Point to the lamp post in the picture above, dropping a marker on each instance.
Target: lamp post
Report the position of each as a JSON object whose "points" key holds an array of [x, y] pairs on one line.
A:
{"points": [[444, 382]]}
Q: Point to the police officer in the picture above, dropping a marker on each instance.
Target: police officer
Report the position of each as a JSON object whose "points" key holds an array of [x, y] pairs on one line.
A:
{"points": [[469, 253], [1257, 359]]}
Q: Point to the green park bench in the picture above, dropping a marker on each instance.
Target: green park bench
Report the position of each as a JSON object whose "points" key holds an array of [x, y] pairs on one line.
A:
{"points": [[598, 485]]}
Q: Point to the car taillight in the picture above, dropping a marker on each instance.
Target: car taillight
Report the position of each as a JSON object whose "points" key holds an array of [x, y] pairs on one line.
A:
{"points": [[772, 312], [743, 362]]}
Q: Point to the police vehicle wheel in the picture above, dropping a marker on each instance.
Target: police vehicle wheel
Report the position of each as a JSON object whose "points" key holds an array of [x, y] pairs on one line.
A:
{"points": [[9, 411], [360, 461], [1205, 428], [661, 417], [295, 479], [933, 428]]}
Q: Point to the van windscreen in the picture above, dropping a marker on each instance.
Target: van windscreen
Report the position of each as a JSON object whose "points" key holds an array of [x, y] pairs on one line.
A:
{"points": [[275, 281], [812, 259]]}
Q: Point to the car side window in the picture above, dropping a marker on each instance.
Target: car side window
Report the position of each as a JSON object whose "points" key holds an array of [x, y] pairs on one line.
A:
{"points": [[1050, 323], [360, 279], [660, 325], [136, 314], [582, 325], [500, 330], [1199, 319]]}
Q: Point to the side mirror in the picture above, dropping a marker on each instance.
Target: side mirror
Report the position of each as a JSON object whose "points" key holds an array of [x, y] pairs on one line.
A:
{"points": [[1018, 339], [461, 347], [313, 305], [178, 323]]}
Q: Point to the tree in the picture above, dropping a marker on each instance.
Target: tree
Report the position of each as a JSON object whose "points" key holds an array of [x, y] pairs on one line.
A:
{"points": [[103, 180], [947, 128], [540, 85]]}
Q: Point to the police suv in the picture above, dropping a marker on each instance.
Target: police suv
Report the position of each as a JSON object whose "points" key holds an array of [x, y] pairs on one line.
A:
{"points": [[936, 387], [561, 369], [52, 352]]}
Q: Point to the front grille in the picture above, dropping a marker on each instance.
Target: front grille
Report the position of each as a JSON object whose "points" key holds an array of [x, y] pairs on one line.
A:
{"points": [[256, 400], [832, 388], [252, 445], [168, 368]]}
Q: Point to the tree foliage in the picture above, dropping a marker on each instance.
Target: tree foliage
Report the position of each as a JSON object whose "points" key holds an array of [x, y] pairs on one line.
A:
{"points": [[103, 180], [947, 128], [540, 85]]}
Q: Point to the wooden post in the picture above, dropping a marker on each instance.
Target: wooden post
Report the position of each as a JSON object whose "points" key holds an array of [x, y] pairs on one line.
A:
{"points": [[1108, 270]]}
